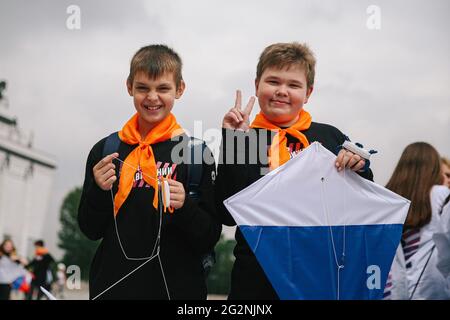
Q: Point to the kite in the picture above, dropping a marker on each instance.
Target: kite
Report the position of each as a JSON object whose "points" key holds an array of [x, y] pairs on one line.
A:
{"points": [[319, 233]]}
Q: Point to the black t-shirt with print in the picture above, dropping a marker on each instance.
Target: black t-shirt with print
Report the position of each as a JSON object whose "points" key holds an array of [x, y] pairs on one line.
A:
{"points": [[186, 235]]}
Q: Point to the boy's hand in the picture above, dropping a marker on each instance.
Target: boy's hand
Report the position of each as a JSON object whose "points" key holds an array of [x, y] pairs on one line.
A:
{"points": [[347, 159], [105, 172], [177, 194], [236, 118]]}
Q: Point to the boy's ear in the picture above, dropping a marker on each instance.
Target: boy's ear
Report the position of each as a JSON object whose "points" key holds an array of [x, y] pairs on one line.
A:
{"points": [[180, 89], [129, 88], [308, 93], [256, 86]]}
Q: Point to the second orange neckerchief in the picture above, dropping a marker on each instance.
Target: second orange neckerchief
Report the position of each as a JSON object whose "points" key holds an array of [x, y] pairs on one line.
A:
{"points": [[142, 156], [279, 142]]}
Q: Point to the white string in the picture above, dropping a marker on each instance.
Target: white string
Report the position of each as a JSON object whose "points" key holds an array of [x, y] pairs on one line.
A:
{"points": [[164, 277], [157, 245], [325, 209], [120, 242], [136, 169]]}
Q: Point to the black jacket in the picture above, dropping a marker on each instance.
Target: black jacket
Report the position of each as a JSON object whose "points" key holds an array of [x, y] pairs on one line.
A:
{"points": [[248, 280], [40, 266], [186, 235]]}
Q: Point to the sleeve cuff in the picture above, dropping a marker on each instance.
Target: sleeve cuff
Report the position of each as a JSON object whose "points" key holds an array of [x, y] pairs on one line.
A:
{"points": [[186, 213], [98, 198]]}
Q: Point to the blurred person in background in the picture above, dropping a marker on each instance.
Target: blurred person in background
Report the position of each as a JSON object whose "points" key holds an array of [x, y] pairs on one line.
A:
{"points": [[415, 273], [11, 268], [41, 269], [446, 171]]}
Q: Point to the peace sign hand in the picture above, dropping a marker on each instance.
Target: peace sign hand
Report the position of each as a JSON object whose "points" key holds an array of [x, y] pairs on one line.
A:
{"points": [[236, 118]]}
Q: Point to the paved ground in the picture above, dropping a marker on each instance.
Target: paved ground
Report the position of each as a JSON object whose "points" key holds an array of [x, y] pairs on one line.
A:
{"points": [[83, 294]]}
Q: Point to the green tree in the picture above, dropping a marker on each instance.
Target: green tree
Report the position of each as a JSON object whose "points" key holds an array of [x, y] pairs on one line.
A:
{"points": [[78, 249], [220, 275]]}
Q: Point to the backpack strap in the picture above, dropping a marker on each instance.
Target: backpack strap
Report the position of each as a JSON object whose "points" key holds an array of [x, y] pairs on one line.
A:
{"points": [[111, 144], [196, 148]]}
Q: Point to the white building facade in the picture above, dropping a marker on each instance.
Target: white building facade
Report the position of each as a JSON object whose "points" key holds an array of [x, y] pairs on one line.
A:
{"points": [[26, 178]]}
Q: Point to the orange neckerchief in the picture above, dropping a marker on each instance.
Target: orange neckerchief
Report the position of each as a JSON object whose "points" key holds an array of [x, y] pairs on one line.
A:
{"points": [[279, 142], [142, 156], [40, 251]]}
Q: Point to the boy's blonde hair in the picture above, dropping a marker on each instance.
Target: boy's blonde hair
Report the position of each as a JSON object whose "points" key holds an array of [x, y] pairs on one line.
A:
{"points": [[445, 161], [156, 60], [285, 55]]}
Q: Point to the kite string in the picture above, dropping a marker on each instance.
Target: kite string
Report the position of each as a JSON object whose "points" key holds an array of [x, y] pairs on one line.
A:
{"points": [[136, 169], [157, 245], [325, 209], [117, 230], [120, 241], [342, 264]]}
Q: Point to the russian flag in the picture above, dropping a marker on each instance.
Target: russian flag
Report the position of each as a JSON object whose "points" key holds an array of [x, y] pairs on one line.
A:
{"points": [[319, 233], [22, 284]]}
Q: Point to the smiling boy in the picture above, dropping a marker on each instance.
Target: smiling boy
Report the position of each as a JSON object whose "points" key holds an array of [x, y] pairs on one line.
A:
{"points": [[284, 83], [145, 252]]}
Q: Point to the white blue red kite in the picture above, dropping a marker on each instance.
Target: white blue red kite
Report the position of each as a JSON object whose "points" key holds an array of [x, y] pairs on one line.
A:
{"points": [[319, 233]]}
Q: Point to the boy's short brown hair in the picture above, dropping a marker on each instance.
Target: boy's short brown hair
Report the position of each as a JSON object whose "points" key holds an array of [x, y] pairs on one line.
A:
{"points": [[156, 60], [285, 55]]}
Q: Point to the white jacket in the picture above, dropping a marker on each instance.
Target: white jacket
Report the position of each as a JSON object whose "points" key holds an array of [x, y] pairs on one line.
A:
{"points": [[10, 270], [434, 247]]}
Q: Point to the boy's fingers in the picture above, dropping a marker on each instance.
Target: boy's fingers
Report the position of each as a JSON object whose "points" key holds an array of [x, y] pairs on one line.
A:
{"points": [[108, 159], [176, 197], [249, 107], [237, 103], [239, 114], [109, 183], [176, 204], [103, 179], [175, 189], [233, 116], [359, 165], [174, 182], [108, 174], [177, 194], [339, 158], [345, 160], [101, 171], [353, 161]]}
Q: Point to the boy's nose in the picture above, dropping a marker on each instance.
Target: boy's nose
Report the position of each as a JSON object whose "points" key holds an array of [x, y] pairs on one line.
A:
{"points": [[152, 96], [281, 91]]}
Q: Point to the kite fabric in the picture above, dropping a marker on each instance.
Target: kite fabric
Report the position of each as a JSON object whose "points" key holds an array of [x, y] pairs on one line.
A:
{"points": [[319, 233]]}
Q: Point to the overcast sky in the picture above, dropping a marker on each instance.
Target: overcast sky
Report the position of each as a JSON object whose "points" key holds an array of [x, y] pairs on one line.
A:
{"points": [[384, 88]]}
